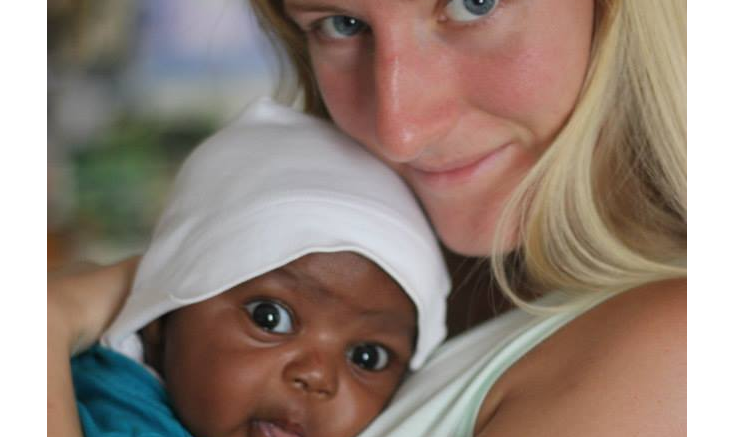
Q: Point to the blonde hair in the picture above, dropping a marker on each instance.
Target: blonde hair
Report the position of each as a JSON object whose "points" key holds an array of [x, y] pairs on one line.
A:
{"points": [[296, 79], [604, 209]]}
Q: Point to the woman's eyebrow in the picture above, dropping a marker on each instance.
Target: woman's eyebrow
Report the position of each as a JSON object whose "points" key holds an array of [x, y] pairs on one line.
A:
{"points": [[302, 6]]}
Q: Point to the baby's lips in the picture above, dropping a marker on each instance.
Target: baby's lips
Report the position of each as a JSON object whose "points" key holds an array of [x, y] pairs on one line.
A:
{"points": [[279, 428]]}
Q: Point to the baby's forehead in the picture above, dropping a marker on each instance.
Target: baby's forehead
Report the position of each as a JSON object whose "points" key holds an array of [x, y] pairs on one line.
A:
{"points": [[335, 267], [345, 280]]}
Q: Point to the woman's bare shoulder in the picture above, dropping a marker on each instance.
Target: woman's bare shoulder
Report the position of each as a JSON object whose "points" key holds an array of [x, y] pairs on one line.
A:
{"points": [[619, 369]]}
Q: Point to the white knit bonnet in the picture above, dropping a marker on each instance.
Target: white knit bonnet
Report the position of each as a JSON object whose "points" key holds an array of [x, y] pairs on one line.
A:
{"points": [[272, 187]]}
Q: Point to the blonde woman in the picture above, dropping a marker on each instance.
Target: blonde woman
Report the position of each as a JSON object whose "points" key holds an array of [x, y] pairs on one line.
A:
{"points": [[548, 136]]}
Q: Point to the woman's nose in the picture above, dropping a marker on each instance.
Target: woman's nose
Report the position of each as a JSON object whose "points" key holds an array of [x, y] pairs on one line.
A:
{"points": [[312, 373], [416, 95]]}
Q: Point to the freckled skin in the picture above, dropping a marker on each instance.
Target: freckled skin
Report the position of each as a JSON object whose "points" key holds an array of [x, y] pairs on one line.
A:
{"points": [[418, 90], [223, 371]]}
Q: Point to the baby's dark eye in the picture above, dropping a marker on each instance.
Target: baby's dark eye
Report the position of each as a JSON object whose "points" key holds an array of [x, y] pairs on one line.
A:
{"points": [[271, 316], [369, 356]]}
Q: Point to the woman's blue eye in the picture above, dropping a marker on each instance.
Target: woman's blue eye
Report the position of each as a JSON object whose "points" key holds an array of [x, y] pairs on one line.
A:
{"points": [[270, 316], [341, 26], [469, 10], [369, 356]]}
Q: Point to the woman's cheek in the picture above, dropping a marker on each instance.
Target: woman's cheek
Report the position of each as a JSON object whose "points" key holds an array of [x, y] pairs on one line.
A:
{"points": [[468, 221], [347, 92], [528, 84]]}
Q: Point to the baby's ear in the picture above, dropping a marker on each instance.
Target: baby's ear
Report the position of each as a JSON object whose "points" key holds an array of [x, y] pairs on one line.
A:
{"points": [[153, 344]]}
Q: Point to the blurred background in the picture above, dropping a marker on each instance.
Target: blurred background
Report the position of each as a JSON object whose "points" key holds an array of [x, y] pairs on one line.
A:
{"points": [[132, 87]]}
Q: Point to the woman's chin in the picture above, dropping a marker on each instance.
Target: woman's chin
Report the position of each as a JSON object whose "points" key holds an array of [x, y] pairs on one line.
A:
{"points": [[478, 244], [470, 231]]}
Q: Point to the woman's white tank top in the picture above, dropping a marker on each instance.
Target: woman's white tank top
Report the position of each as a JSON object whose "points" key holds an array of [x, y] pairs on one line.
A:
{"points": [[444, 397]]}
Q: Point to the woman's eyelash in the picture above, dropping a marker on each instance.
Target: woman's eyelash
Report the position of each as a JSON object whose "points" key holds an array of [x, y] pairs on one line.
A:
{"points": [[319, 27], [316, 27], [490, 15], [311, 26]]}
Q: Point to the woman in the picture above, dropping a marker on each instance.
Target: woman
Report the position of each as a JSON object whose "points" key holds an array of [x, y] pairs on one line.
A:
{"points": [[547, 135]]}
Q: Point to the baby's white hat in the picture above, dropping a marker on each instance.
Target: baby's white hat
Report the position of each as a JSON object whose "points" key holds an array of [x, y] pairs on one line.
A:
{"points": [[272, 187]]}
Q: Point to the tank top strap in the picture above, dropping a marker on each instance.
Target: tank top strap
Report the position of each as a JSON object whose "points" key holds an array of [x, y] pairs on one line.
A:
{"points": [[498, 362], [444, 397]]}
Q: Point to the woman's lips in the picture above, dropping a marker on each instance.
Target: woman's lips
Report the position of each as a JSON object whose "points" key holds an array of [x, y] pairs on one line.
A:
{"points": [[265, 428], [454, 174]]}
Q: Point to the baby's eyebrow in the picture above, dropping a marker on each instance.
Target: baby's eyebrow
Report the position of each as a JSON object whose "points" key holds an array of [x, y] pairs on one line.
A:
{"points": [[284, 275], [387, 322], [384, 320]]}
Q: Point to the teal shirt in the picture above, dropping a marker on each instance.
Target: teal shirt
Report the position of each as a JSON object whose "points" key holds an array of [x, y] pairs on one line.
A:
{"points": [[118, 397]]}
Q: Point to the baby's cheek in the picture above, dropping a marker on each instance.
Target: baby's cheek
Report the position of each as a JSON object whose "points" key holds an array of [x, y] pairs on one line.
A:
{"points": [[357, 409], [215, 396]]}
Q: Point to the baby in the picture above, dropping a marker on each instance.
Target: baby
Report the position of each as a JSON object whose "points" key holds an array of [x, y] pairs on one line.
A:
{"points": [[291, 282]]}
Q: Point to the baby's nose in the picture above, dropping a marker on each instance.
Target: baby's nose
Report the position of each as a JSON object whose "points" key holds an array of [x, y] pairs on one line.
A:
{"points": [[312, 373]]}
